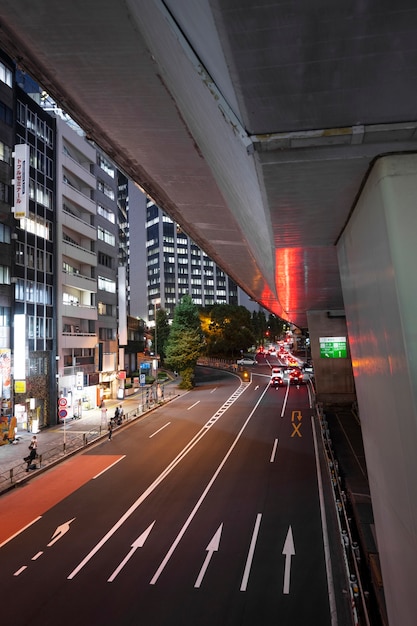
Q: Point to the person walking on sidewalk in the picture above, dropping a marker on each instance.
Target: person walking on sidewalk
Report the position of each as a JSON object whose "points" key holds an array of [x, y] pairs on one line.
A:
{"points": [[110, 429], [33, 447]]}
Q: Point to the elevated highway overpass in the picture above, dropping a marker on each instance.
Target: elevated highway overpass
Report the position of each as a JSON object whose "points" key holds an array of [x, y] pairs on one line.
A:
{"points": [[282, 138]]}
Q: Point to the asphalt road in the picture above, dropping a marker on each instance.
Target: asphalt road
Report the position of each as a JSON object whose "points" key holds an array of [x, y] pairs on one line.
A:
{"points": [[205, 513]]}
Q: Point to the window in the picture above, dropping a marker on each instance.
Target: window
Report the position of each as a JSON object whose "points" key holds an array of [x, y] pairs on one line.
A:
{"points": [[5, 153], [37, 226], [108, 191], [105, 165], [106, 309], [68, 298], [6, 75], [107, 334], [4, 233], [4, 275], [105, 284], [4, 316], [106, 236], [40, 194], [106, 213], [105, 259], [5, 193], [6, 114]]}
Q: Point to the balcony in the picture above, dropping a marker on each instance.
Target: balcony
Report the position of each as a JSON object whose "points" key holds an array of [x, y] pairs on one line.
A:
{"points": [[78, 225], [78, 340], [78, 281], [78, 198], [72, 370], [72, 251], [78, 170], [79, 311]]}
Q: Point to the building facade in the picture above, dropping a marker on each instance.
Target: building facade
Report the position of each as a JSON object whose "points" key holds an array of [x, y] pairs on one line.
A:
{"points": [[172, 265]]}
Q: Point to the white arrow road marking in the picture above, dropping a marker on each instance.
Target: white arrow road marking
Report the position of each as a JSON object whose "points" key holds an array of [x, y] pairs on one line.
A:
{"points": [[203, 495], [60, 532], [138, 543], [289, 551], [213, 546], [190, 445], [250, 553]]}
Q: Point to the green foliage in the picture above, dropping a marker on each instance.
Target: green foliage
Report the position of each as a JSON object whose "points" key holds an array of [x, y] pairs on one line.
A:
{"points": [[162, 332], [186, 342], [228, 329]]}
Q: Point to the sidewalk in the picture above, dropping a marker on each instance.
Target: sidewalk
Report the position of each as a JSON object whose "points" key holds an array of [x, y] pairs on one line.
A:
{"points": [[75, 434]]}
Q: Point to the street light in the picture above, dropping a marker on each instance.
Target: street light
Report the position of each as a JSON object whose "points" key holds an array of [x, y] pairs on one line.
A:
{"points": [[155, 303]]}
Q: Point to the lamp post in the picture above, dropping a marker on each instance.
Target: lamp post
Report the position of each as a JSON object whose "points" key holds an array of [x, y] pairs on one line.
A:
{"points": [[156, 330], [155, 303]]}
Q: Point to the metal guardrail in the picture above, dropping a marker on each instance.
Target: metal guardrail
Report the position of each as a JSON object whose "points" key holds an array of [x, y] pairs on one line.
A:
{"points": [[351, 549], [74, 443]]}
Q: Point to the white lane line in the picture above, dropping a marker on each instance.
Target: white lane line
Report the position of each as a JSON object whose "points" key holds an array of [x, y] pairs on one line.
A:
{"points": [[203, 431], [109, 467], [203, 495], [284, 404], [20, 531], [37, 555], [193, 405], [330, 585], [19, 571], [213, 390], [274, 450], [251, 553], [159, 430]]}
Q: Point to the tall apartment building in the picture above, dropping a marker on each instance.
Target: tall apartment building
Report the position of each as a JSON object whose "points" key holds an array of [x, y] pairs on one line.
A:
{"points": [[76, 258], [87, 252]]}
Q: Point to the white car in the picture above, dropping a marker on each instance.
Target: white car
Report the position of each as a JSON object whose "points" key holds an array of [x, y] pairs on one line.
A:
{"points": [[246, 361]]}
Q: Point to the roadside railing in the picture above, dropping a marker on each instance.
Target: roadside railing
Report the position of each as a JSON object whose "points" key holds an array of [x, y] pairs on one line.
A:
{"points": [[350, 548], [76, 442]]}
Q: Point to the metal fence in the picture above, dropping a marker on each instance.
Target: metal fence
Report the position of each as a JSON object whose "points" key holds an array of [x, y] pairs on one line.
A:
{"points": [[77, 441]]}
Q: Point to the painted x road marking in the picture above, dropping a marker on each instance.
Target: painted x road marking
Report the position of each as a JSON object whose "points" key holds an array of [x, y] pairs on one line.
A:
{"points": [[296, 415], [296, 430]]}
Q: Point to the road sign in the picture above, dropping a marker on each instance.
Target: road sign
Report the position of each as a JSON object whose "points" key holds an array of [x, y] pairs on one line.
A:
{"points": [[333, 348], [142, 379], [62, 402], [63, 413]]}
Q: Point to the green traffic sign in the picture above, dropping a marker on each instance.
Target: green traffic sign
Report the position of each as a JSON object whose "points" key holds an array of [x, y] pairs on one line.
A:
{"points": [[333, 348]]}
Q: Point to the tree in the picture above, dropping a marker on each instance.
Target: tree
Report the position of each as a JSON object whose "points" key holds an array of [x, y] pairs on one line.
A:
{"points": [[185, 342], [227, 329], [162, 332]]}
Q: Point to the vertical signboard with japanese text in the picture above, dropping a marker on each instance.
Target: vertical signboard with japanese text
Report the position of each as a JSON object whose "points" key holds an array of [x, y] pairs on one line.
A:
{"points": [[21, 181]]}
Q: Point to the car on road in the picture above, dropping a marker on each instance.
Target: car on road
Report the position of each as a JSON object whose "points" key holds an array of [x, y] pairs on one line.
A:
{"points": [[246, 361], [296, 376], [277, 379]]}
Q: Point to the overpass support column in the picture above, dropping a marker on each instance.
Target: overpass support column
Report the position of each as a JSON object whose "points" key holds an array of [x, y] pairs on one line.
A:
{"points": [[332, 366], [377, 255]]}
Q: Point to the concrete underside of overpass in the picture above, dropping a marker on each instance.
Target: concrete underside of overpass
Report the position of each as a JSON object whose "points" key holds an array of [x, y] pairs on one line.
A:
{"points": [[281, 139]]}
